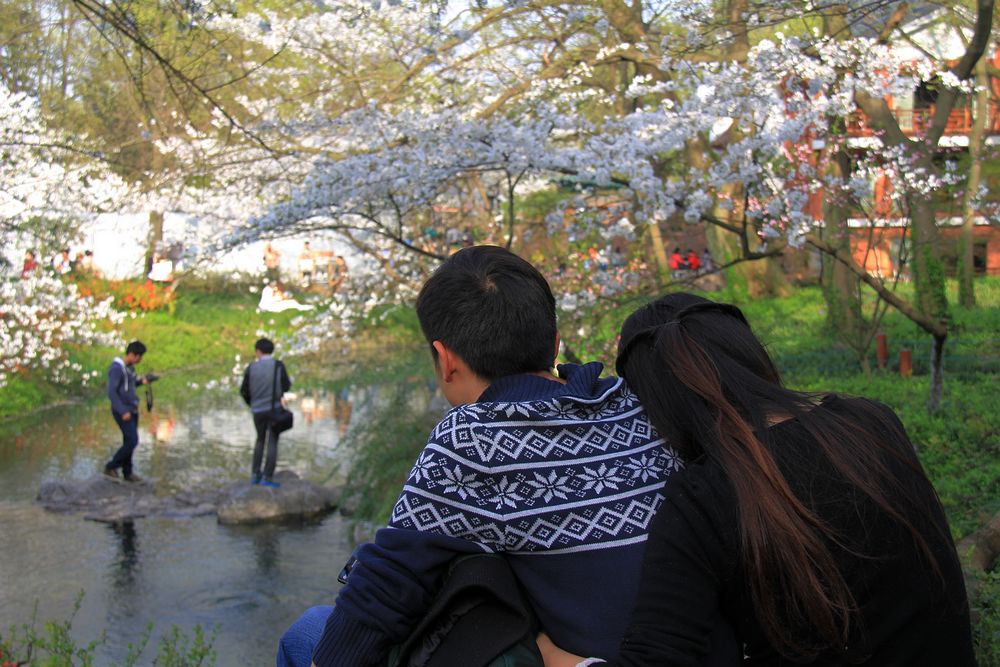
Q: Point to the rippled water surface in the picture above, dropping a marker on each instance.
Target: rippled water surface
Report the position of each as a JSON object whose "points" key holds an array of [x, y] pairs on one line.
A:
{"points": [[251, 582]]}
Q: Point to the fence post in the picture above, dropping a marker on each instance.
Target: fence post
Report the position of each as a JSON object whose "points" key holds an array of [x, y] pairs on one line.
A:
{"points": [[905, 363], [881, 350]]}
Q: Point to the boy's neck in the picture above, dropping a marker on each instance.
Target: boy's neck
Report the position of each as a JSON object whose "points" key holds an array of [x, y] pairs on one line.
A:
{"points": [[549, 375]]}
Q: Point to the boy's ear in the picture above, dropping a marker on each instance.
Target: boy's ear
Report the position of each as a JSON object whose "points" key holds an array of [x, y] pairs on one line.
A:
{"points": [[445, 361]]}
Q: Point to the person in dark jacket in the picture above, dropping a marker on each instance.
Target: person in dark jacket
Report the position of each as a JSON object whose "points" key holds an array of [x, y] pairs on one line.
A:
{"points": [[122, 383], [805, 519], [264, 383]]}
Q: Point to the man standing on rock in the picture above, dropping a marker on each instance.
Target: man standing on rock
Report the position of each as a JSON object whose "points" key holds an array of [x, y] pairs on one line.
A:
{"points": [[122, 383], [264, 383]]}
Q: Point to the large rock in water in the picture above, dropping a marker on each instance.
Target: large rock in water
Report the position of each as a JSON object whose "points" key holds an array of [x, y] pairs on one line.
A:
{"points": [[295, 498], [104, 499]]}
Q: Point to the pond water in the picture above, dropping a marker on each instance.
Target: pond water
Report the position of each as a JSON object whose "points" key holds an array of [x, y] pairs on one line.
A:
{"points": [[251, 582]]}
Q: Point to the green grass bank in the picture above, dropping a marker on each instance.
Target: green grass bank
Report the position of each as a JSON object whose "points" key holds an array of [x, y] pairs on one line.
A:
{"points": [[195, 340]]}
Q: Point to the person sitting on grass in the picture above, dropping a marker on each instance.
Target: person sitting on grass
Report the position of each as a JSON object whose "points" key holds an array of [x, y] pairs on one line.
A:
{"points": [[805, 519], [274, 299], [558, 472]]}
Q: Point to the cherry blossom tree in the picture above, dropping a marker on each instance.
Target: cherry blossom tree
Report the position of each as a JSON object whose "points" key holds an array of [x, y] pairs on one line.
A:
{"points": [[704, 112], [43, 185]]}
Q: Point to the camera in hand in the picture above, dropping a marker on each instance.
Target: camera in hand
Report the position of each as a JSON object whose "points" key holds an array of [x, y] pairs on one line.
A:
{"points": [[151, 377]]}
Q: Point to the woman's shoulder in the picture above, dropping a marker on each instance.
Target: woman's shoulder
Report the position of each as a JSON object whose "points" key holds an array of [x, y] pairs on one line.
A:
{"points": [[701, 486]]}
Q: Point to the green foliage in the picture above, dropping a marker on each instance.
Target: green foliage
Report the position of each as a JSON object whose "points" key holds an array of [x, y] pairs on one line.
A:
{"points": [[177, 649], [394, 322], [54, 646], [986, 612], [234, 284], [383, 451]]}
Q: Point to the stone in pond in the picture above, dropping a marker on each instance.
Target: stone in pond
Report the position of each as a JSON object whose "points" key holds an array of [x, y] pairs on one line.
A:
{"points": [[296, 498], [101, 497], [104, 499]]}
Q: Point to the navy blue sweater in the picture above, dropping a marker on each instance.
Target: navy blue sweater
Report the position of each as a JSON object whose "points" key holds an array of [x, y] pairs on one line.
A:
{"points": [[561, 478]]}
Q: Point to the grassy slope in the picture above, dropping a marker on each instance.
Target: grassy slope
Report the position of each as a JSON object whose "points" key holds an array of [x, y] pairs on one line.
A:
{"points": [[199, 340]]}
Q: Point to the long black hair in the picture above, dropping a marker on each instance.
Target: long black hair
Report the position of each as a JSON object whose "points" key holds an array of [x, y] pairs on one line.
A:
{"points": [[712, 391]]}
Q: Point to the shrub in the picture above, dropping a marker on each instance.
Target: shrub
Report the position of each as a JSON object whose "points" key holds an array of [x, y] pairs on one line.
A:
{"points": [[133, 295], [54, 646]]}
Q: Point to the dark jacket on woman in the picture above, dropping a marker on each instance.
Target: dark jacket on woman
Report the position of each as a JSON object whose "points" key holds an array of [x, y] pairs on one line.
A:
{"points": [[909, 615]]}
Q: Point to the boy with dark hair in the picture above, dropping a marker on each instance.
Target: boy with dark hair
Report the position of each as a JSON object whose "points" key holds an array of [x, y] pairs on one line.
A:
{"points": [[122, 383], [264, 383], [561, 474]]}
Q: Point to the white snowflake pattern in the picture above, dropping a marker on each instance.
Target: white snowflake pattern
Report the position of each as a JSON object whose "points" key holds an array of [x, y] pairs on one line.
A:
{"points": [[645, 466], [674, 461], [601, 478], [463, 485], [552, 486], [422, 468], [505, 493], [565, 411]]}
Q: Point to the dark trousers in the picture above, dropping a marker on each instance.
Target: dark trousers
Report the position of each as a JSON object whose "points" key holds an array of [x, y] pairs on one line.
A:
{"points": [[130, 440], [261, 421]]}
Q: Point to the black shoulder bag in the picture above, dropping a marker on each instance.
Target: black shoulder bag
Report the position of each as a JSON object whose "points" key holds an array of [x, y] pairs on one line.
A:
{"points": [[282, 418], [479, 618]]}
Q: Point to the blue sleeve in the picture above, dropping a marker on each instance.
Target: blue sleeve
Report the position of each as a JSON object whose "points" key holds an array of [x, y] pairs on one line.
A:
{"points": [[116, 374], [448, 507]]}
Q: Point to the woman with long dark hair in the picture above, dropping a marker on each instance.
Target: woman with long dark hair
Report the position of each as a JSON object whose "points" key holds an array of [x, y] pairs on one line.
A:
{"points": [[805, 519]]}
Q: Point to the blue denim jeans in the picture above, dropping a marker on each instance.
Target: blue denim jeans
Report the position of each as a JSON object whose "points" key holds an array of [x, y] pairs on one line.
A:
{"points": [[295, 648], [130, 440]]}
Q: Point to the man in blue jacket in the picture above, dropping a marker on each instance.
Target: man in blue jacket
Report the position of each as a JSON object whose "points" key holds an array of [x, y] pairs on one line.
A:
{"points": [[560, 473], [122, 383]]}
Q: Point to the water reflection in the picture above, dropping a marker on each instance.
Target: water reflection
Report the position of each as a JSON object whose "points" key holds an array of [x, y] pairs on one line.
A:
{"points": [[160, 424], [125, 569], [266, 549]]}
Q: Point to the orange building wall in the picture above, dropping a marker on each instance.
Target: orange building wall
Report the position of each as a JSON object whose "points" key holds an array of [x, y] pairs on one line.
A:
{"points": [[876, 256]]}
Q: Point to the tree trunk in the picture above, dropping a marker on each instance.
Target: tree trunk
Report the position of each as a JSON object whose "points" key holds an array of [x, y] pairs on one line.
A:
{"points": [[966, 266], [937, 374], [155, 238], [841, 287], [659, 252], [929, 284], [925, 258]]}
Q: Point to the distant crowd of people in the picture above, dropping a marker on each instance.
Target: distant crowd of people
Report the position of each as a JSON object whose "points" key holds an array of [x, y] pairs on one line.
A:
{"points": [[683, 265], [162, 268], [61, 264], [313, 268]]}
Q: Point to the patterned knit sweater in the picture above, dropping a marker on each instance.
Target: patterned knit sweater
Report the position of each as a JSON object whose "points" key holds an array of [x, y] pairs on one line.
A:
{"points": [[561, 478]]}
